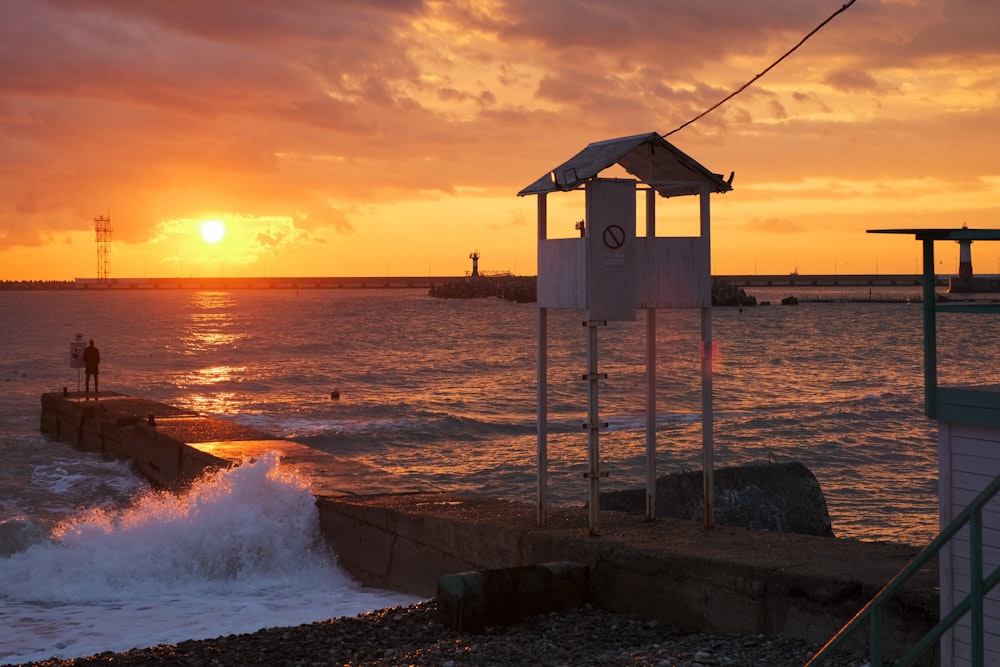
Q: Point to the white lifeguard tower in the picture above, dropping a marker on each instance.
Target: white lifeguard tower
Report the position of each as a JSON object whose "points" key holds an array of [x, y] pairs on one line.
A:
{"points": [[610, 272]]}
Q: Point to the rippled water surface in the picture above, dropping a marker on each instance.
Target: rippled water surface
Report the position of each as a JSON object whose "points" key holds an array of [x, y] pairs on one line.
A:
{"points": [[445, 391]]}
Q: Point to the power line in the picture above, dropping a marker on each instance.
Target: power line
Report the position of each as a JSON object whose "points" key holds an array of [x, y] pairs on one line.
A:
{"points": [[769, 68]]}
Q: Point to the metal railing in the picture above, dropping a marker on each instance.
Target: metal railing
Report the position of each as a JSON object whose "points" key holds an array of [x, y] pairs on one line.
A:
{"points": [[972, 603]]}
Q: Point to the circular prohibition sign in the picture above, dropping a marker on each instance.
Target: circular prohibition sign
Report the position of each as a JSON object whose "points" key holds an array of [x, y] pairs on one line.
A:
{"points": [[614, 236]]}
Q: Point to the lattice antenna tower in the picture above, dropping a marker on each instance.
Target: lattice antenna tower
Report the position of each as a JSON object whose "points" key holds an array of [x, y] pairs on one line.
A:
{"points": [[102, 235]]}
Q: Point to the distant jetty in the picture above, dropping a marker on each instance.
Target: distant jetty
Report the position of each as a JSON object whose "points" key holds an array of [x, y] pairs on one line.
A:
{"points": [[724, 293], [524, 289], [520, 289], [973, 285]]}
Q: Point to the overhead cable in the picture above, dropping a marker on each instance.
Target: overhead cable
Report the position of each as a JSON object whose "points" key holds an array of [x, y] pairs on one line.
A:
{"points": [[769, 68]]}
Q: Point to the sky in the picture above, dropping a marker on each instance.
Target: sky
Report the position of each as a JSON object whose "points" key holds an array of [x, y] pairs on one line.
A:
{"points": [[391, 137]]}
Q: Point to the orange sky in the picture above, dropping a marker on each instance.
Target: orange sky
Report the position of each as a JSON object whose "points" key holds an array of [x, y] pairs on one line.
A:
{"points": [[373, 137]]}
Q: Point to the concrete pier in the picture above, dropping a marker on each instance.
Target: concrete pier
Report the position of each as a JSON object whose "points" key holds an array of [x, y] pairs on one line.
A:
{"points": [[407, 537], [172, 447]]}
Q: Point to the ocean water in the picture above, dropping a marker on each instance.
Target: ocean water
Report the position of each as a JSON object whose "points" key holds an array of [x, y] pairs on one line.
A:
{"points": [[441, 391]]}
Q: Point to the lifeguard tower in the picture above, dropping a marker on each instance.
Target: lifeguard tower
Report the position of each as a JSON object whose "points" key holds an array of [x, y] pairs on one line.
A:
{"points": [[609, 272]]}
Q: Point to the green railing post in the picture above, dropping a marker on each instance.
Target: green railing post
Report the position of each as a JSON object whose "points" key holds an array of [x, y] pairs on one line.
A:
{"points": [[875, 635], [930, 332], [976, 586]]}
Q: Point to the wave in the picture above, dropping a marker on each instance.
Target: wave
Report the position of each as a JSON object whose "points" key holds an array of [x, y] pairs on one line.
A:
{"points": [[19, 533], [240, 550], [238, 524]]}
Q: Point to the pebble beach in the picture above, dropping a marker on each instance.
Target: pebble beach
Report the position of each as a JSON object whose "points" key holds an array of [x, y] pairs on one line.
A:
{"points": [[413, 635]]}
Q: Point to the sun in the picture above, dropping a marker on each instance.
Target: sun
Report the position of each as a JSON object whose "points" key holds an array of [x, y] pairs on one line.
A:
{"points": [[213, 231]]}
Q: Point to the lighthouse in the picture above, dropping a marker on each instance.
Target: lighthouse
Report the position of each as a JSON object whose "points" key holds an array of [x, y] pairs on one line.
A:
{"points": [[474, 256], [965, 259], [965, 281]]}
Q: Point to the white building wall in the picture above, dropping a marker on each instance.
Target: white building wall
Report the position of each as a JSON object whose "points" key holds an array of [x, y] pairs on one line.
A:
{"points": [[969, 459], [562, 273], [673, 273]]}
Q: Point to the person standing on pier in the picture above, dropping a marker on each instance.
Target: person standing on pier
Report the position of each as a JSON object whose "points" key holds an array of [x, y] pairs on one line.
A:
{"points": [[91, 361]]}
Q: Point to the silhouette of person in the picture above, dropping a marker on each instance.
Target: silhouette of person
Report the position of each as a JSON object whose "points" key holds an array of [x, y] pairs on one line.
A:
{"points": [[91, 360]]}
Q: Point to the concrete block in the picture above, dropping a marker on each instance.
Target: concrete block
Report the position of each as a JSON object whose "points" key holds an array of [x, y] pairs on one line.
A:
{"points": [[473, 601], [156, 456], [371, 549], [194, 463], [783, 497]]}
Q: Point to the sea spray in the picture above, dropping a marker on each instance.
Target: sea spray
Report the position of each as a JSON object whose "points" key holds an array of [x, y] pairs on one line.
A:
{"points": [[249, 522], [170, 567]]}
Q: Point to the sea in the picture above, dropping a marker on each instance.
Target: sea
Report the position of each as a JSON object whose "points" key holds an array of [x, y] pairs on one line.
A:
{"points": [[438, 391]]}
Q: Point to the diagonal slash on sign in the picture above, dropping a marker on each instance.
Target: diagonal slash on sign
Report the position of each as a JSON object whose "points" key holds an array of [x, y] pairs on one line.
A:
{"points": [[614, 236]]}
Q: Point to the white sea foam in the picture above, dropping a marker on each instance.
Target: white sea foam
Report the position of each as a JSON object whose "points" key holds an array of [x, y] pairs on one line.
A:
{"points": [[239, 551], [80, 476]]}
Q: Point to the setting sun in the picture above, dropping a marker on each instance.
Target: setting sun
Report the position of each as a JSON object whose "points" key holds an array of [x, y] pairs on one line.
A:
{"points": [[212, 231]]}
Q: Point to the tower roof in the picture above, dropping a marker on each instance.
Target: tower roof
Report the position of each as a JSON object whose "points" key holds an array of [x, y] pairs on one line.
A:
{"points": [[945, 234], [649, 157]]}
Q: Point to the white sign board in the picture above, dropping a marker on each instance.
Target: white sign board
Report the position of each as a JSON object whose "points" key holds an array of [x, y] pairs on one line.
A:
{"points": [[611, 270], [76, 349]]}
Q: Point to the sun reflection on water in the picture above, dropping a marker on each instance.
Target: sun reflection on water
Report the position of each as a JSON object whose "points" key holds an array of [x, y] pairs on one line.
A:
{"points": [[215, 374], [223, 402], [213, 323]]}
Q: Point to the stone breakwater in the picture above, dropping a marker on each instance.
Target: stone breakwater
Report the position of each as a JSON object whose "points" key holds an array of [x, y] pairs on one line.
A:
{"points": [[521, 289], [583, 637]]}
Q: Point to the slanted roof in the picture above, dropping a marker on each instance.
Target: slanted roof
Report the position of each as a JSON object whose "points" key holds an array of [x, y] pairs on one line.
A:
{"points": [[649, 157], [945, 234]]}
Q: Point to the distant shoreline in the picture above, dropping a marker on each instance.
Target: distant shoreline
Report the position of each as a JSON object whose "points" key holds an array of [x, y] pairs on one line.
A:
{"points": [[427, 282]]}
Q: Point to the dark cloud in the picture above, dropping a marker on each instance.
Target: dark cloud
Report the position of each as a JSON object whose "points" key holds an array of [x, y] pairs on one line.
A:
{"points": [[852, 80]]}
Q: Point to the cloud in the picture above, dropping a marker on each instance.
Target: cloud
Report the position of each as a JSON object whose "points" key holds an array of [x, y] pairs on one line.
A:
{"points": [[774, 225], [852, 80]]}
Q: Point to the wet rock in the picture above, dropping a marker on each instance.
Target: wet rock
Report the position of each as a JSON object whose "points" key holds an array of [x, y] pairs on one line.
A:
{"points": [[783, 497], [520, 289]]}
